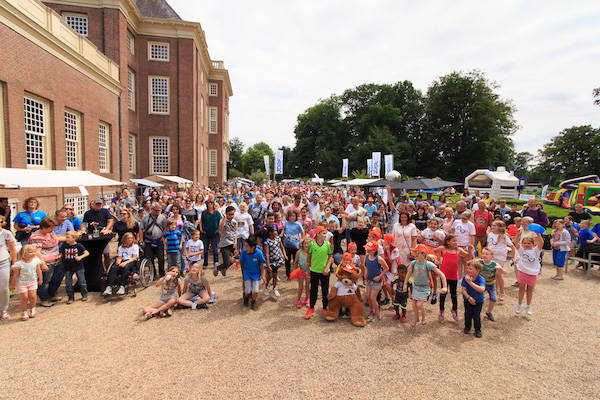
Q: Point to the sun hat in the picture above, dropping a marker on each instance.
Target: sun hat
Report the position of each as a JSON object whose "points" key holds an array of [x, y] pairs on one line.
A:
{"points": [[375, 232], [388, 237], [318, 229], [421, 248]]}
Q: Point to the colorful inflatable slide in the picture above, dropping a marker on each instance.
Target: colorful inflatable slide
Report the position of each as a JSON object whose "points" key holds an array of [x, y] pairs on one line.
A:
{"points": [[584, 190]]}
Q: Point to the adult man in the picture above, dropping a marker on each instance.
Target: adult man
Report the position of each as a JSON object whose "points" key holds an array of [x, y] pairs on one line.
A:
{"points": [[257, 211], [5, 211], [75, 220], [297, 204], [370, 207], [100, 218], [63, 225], [313, 205], [579, 214], [354, 210], [482, 220], [461, 207], [153, 227], [127, 200], [502, 209]]}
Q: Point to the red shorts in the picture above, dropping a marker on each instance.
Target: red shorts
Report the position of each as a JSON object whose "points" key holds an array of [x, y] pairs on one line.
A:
{"points": [[526, 279]]}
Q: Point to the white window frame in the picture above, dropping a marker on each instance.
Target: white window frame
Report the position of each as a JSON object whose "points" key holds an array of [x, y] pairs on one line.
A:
{"points": [[154, 170], [131, 153], [160, 46], [131, 89], [213, 162], [213, 124], [78, 201], [151, 110], [212, 92], [130, 42], [75, 27], [72, 139], [103, 147], [43, 132]]}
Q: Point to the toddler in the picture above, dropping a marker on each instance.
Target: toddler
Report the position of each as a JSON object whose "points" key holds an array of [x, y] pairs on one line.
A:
{"points": [[27, 275]]}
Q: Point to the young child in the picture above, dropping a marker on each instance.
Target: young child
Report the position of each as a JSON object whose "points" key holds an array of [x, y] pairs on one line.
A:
{"points": [[194, 248], [301, 261], [390, 255], [561, 244], [127, 254], [499, 243], [253, 266], [473, 286], [433, 237], [400, 296], [464, 230], [450, 254], [528, 265], [375, 270], [170, 291], [572, 228], [196, 289], [275, 256], [26, 276], [360, 235], [420, 269], [513, 231], [72, 253], [489, 271], [320, 257], [352, 249], [173, 244]]}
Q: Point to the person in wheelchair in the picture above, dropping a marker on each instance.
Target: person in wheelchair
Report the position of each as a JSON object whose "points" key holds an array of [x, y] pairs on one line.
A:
{"points": [[126, 262]]}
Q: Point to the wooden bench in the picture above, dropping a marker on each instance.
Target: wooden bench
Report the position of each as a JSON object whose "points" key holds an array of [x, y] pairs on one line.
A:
{"points": [[587, 261]]}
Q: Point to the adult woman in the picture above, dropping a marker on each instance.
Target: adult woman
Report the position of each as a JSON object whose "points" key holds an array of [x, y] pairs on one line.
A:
{"points": [[147, 205], [190, 214], [448, 219], [127, 224], [209, 229], [199, 203], [466, 197], [175, 214], [405, 235], [440, 202], [8, 256], [47, 241], [420, 218], [292, 233], [28, 221], [328, 216], [154, 196]]}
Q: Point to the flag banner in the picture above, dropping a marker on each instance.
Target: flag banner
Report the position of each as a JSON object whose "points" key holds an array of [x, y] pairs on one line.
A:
{"points": [[279, 162], [267, 164], [389, 163], [376, 167], [345, 168], [370, 167]]}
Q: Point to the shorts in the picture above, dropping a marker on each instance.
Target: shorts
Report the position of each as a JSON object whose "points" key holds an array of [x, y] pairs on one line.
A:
{"points": [[420, 293], [526, 279], [25, 287], [197, 292], [400, 299], [305, 275], [106, 249], [558, 258], [375, 285], [250, 286], [275, 268], [491, 289], [165, 299]]}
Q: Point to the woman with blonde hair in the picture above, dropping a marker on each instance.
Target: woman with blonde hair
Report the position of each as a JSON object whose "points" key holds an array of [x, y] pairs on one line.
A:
{"points": [[127, 223]]}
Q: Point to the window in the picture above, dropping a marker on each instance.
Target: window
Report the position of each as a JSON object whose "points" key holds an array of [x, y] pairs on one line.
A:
{"points": [[131, 153], [212, 111], [212, 89], [35, 132], [130, 43], [2, 138], [78, 22], [78, 201], [202, 111], [158, 51], [72, 139], [159, 95], [104, 147], [212, 155], [202, 160], [131, 89], [159, 155]]}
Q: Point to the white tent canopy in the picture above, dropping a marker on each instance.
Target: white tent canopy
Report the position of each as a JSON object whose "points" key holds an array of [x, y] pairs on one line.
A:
{"points": [[356, 182], [499, 184], [146, 182], [17, 178], [169, 178]]}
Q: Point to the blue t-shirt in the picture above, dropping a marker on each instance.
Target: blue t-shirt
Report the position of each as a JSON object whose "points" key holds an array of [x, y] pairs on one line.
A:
{"points": [[251, 264], [76, 223], [173, 240], [479, 281], [370, 209], [24, 218], [585, 235], [63, 228], [293, 233]]}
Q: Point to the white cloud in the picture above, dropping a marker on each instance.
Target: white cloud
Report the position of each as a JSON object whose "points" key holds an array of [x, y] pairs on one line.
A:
{"points": [[285, 55]]}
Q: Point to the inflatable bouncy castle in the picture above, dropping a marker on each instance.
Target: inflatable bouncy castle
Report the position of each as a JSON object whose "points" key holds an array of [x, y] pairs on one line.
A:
{"points": [[584, 190]]}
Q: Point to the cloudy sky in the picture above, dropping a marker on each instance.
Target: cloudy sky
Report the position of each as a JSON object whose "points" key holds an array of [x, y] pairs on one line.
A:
{"points": [[285, 55]]}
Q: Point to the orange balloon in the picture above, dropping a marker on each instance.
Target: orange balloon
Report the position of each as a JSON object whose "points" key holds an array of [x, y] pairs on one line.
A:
{"points": [[295, 274]]}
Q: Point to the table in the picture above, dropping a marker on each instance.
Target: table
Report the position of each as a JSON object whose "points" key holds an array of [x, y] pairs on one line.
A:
{"points": [[93, 264]]}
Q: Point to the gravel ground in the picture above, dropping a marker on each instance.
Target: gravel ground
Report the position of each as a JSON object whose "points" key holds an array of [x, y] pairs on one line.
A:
{"points": [[104, 350]]}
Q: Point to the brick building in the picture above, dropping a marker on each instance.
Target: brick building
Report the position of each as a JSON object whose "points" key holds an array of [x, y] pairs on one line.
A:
{"points": [[122, 88]]}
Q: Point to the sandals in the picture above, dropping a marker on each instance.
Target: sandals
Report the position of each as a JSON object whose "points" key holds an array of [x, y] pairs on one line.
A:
{"points": [[24, 316]]}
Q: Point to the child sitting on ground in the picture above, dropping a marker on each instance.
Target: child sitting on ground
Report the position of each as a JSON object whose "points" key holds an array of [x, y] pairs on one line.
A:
{"points": [[196, 289], [253, 266], [473, 286], [170, 291], [400, 296], [72, 253], [26, 277]]}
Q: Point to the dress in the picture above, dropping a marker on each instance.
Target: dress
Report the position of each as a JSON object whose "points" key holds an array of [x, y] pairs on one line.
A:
{"points": [[403, 235]]}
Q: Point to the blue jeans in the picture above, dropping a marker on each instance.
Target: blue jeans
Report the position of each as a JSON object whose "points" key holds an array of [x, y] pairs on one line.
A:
{"points": [[56, 280], [80, 279], [211, 241], [42, 290], [174, 259]]}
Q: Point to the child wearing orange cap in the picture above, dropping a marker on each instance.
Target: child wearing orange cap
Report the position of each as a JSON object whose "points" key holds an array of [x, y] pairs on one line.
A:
{"points": [[390, 255], [375, 270]]}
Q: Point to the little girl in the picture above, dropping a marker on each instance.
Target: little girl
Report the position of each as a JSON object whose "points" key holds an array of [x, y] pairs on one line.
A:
{"points": [[489, 271], [300, 261], [433, 237], [196, 289], [275, 256], [499, 243], [528, 267], [390, 255], [127, 254], [561, 244], [449, 267], [420, 269], [170, 290], [27, 275], [375, 270]]}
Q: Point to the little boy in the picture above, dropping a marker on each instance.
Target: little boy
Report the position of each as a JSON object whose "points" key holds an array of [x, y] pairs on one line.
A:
{"points": [[400, 296], [227, 240], [172, 238], [72, 253], [473, 286], [561, 244], [253, 266]]}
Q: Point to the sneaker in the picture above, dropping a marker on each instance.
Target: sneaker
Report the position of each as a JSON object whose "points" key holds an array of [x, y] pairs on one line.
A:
{"points": [[121, 291], [307, 303], [434, 298], [5, 315], [148, 315], [441, 316], [309, 312], [266, 292], [276, 292], [32, 313], [454, 314], [478, 334], [528, 310], [169, 312], [224, 271], [324, 311], [24, 316], [370, 317], [467, 331], [246, 301], [396, 317], [403, 319], [299, 303], [70, 300], [46, 303], [194, 306], [55, 299], [107, 291], [490, 316], [519, 308], [84, 298]]}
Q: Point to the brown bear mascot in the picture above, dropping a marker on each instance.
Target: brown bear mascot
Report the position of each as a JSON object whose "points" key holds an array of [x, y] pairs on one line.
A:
{"points": [[345, 293]]}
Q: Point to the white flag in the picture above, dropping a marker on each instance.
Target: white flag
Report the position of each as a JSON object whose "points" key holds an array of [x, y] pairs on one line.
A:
{"points": [[345, 168], [376, 163], [370, 167], [389, 163], [267, 164], [279, 162]]}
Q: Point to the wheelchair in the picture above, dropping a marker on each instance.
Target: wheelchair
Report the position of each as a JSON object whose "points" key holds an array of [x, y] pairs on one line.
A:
{"points": [[141, 275]]}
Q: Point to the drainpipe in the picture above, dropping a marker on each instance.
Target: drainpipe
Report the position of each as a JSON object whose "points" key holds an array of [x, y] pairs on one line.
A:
{"points": [[120, 142]]}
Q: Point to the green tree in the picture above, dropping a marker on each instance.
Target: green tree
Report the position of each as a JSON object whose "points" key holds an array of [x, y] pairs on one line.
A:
{"points": [[236, 152], [253, 158], [522, 163], [468, 126]]}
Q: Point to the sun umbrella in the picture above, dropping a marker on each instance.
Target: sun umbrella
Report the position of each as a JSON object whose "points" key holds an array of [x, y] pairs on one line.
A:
{"points": [[426, 184]]}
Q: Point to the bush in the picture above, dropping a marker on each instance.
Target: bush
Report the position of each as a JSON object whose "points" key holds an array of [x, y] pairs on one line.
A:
{"points": [[258, 177], [235, 173]]}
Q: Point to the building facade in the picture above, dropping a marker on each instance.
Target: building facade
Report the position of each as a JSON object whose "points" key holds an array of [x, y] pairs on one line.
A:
{"points": [[122, 88]]}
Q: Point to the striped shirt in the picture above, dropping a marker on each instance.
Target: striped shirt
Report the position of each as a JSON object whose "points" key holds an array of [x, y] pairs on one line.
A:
{"points": [[173, 240]]}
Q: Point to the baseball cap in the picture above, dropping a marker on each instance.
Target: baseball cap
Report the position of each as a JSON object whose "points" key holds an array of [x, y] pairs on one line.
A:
{"points": [[351, 245], [98, 201], [388, 237], [318, 229], [421, 248], [372, 246], [376, 232]]}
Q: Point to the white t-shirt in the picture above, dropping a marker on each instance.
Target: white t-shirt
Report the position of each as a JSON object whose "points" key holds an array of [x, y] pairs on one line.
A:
{"points": [[463, 232], [529, 261], [5, 237], [194, 246], [429, 237], [127, 253], [395, 254], [498, 245], [343, 290], [243, 221], [403, 235]]}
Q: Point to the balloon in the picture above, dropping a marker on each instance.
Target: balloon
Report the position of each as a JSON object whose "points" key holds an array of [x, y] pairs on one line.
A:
{"points": [[295, 274], [536, 228], [512, 230]]}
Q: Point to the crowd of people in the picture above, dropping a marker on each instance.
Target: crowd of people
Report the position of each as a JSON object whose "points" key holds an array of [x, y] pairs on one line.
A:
{"points": [[416, 248]]}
